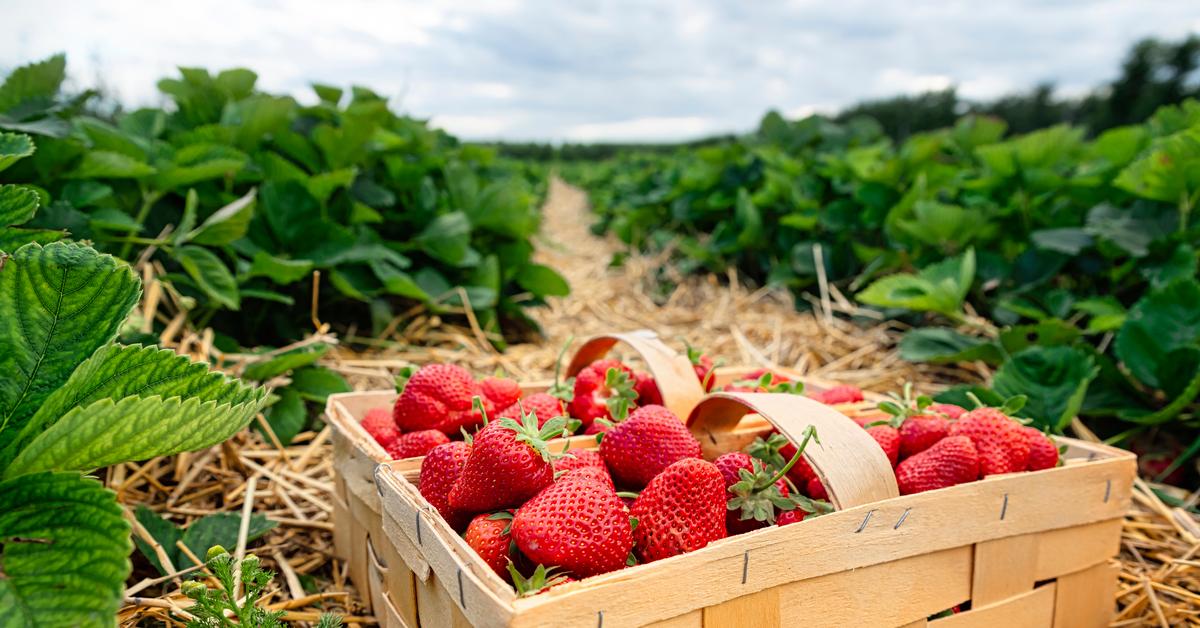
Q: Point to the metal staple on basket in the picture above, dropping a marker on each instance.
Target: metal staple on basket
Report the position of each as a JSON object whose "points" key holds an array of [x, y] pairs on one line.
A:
{"points": [[903, 516], [862, 526]]}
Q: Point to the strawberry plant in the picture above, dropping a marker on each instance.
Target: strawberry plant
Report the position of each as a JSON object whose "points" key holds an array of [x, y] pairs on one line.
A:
{"points": [[242, 195], [72, 401]]}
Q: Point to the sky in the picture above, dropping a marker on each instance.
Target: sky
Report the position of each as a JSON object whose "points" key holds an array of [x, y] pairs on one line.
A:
{"points": [[587, 71]]}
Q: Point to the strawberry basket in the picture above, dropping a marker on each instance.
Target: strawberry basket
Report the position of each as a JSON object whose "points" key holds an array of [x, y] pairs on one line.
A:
{"points": [[360, 539], [1022, 549]]}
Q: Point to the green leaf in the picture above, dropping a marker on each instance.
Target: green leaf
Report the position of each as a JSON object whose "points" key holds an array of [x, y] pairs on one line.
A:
{"points": [[134, 428], [323, 185], [1169, 172], [504, 207], [1055, 380], [1160, 322], [284, 362], [13, 147], [222, 529], [1068, 240], [942, 345], [210, 273], [941, 287], [1047, 333], [114, 372], [542, 281], [448, 238], [1107, 313], [18, 204], [65, 548], [102, 164], [288, 416], [35, 80], [61, 303], [279, 270], [327, 93], [749, 219], [162, 531], [226, 224], [316, 383]]}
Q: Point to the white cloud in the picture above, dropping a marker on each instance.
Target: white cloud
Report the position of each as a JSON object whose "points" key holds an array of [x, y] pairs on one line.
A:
{"points": [[615, 69]]}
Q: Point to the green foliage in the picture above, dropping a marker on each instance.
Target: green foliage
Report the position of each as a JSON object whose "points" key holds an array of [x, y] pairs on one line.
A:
{"points": [[216, 529], [1068, 263], [243, 194], [212, 604]]}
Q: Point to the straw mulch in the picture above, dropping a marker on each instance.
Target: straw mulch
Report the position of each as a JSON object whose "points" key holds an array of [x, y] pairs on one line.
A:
{"points": [[1160, 557]]}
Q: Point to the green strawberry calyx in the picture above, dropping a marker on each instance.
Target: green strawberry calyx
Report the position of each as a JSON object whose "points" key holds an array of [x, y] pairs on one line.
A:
{"points": [[903, 407], [528, 432], [756, 495], [540, 580], [621, 396]]}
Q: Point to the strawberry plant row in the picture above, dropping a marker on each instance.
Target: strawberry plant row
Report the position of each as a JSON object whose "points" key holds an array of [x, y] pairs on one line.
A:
{"points": [[242, 195], [1056, 258]]}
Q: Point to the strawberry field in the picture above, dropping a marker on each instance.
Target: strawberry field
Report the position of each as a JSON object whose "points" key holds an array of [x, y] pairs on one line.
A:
{"points": [[221, 318]]}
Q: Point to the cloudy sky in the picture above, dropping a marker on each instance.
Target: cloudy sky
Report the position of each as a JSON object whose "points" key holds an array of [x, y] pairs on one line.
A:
{"points": [[584, 71]]}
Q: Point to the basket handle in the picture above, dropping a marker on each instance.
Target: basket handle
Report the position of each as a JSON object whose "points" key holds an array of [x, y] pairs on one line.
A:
{"points": [[673, 373], [848, 461]]}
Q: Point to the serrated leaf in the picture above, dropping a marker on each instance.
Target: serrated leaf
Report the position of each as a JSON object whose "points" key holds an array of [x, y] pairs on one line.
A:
{"points": [[18, 204], [938, 288], [222, 529], [134, 428], [226, 224], [1055, 380], [284, 362], [1162, 321], [65, 300], [316, 383], [65, 548], [102, 164], [34, 80], [162, 531], [942, 345], [210, 274], [13, 147]]}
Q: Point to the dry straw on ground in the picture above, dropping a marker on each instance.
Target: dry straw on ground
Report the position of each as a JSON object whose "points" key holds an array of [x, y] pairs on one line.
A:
{"points": [[1160, 581]]}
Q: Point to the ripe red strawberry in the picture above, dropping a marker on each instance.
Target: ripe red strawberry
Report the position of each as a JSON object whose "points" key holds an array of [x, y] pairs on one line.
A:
{"points": [[542, 405], [1043, 453], [595, 473], [815, 489], [501, 391], [838, 394], [597, 392], [380, 425], [951, 411], [415, 444], [888, 438], [490, 536], [920, 432], [578, 524], [509, 463], [640, 447], [703, 365], [788, 517], [646, 389], [439, 471], [731, 466], [999, 440], [681, 510], [952, 460], [438, 397], [578, 459]]}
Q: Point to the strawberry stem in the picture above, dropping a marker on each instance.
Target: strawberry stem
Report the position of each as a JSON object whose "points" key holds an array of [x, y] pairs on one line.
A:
{"points": [[810, 433]]}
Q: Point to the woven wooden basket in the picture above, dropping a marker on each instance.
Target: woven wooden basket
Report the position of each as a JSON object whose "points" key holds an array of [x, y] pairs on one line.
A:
{"points": [[359, 537], [1026, 549]]}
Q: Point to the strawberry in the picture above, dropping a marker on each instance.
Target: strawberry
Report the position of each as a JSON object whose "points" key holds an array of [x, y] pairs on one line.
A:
{"points": [[731, 465], [501, 391], [578, 524], [790, 516], [888, 438], [763, 380], [681, 510], [603, 390], [542, 405], [380, 425], [640, 447], [646, 389], [776, 451], [815, 489], [439, 471], [578, 459], [999, 440], [540, 581], [509, 463], [438, 397], [415, 444], [918, 429], [757, 492], [703, 365], [952, 460], [1043, 453], [490, 536], [838, 394], [951, 411], [595, 473]]}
